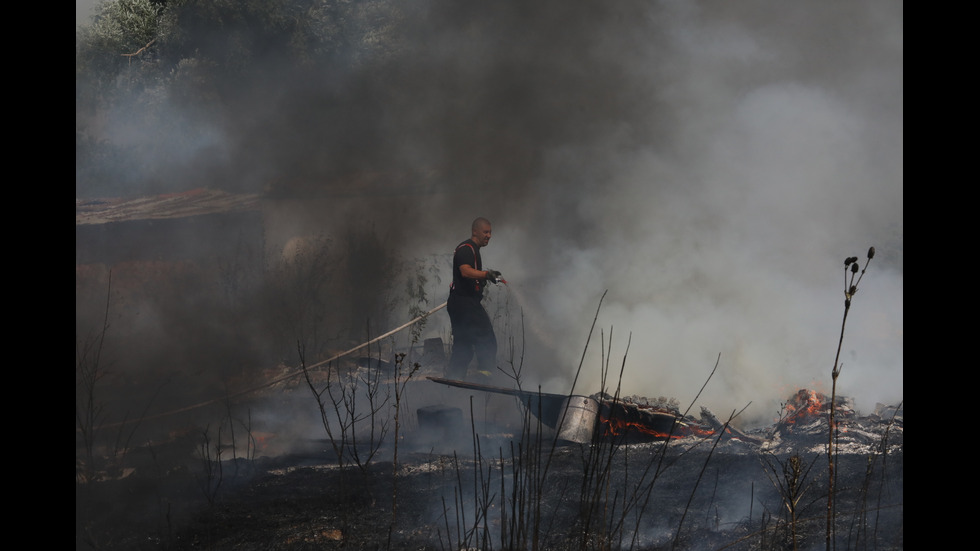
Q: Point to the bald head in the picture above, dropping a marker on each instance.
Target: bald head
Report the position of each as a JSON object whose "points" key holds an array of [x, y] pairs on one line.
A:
{"points": [[481, 231], [478, 223]]}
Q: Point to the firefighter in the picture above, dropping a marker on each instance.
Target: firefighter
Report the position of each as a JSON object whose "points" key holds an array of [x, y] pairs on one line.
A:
{"points": [[472, 330]]}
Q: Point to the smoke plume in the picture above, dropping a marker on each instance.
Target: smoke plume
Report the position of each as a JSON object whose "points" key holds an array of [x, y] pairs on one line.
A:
{"points": [[707, 166]]}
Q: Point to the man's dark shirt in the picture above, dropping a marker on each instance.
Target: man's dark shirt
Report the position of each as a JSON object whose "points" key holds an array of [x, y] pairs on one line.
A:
{"points": [[467, 252]]}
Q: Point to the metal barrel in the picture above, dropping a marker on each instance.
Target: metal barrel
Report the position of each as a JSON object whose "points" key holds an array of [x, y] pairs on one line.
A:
{"points": [[578, 419]]}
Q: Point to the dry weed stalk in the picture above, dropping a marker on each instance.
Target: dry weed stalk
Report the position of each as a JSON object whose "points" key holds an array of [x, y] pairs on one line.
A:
{"points": [[88, 408], [850, 289], [400, 382], [342, 395], [790, 480], [606, 503], [338, 445], [212, 466], [721, 433]]}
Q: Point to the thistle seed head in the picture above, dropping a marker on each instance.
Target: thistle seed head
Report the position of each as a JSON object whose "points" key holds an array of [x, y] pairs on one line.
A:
{"points": [[854, 268], [871, 253]]}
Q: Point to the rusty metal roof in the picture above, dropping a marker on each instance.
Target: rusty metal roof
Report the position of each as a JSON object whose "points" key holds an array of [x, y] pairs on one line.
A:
{"points": [[173, 205]]}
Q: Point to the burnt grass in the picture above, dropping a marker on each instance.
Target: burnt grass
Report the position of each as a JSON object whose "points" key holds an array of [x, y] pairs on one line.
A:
{"points": [[709, 494]]}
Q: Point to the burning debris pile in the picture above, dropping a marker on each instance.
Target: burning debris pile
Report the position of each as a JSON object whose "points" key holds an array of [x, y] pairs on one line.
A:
{"points": [[806, 421], [635, 418], [807, 409], [604, 418], [626, 420]]}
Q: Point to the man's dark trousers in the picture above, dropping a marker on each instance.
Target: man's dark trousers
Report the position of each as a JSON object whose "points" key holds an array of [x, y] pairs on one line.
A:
{"points": [[472, 335]]}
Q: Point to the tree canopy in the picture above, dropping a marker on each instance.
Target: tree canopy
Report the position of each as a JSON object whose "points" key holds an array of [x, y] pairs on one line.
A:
{"points": [[169, 68]]}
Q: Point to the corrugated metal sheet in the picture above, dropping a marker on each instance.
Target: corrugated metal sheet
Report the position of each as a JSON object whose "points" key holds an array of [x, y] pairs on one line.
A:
{"points": [[175, 205]]}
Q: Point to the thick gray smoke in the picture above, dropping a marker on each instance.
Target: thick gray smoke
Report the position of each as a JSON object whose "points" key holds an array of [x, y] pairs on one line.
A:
{"points": [[711, 170], [710, 165]]}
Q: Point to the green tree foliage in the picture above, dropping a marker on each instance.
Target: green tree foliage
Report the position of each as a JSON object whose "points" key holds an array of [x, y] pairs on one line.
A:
{"points": [[156, 79], [115, 66], [123, 37], [122, 27], [236, 39]]}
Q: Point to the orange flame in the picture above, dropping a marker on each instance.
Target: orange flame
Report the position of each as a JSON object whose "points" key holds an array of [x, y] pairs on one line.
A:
{"points": [[805, 404], [622, 427]]}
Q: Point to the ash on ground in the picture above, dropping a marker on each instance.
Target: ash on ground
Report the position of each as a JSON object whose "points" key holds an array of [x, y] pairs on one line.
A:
{"points": [[506, 487]]}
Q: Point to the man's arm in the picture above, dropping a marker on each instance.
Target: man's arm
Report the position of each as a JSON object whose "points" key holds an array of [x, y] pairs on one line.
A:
{"points": [[466, 269], [471, 273]]}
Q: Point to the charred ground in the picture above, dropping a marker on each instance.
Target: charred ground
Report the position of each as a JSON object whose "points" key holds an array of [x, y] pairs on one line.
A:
{"points": [[689, 493]]}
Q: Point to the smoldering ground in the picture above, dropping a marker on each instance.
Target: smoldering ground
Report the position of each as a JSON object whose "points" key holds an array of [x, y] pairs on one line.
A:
{"points": [[710, 166]]}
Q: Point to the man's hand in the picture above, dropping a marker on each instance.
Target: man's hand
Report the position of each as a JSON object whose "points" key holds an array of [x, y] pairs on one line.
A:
{"points": [[493, 276]]}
